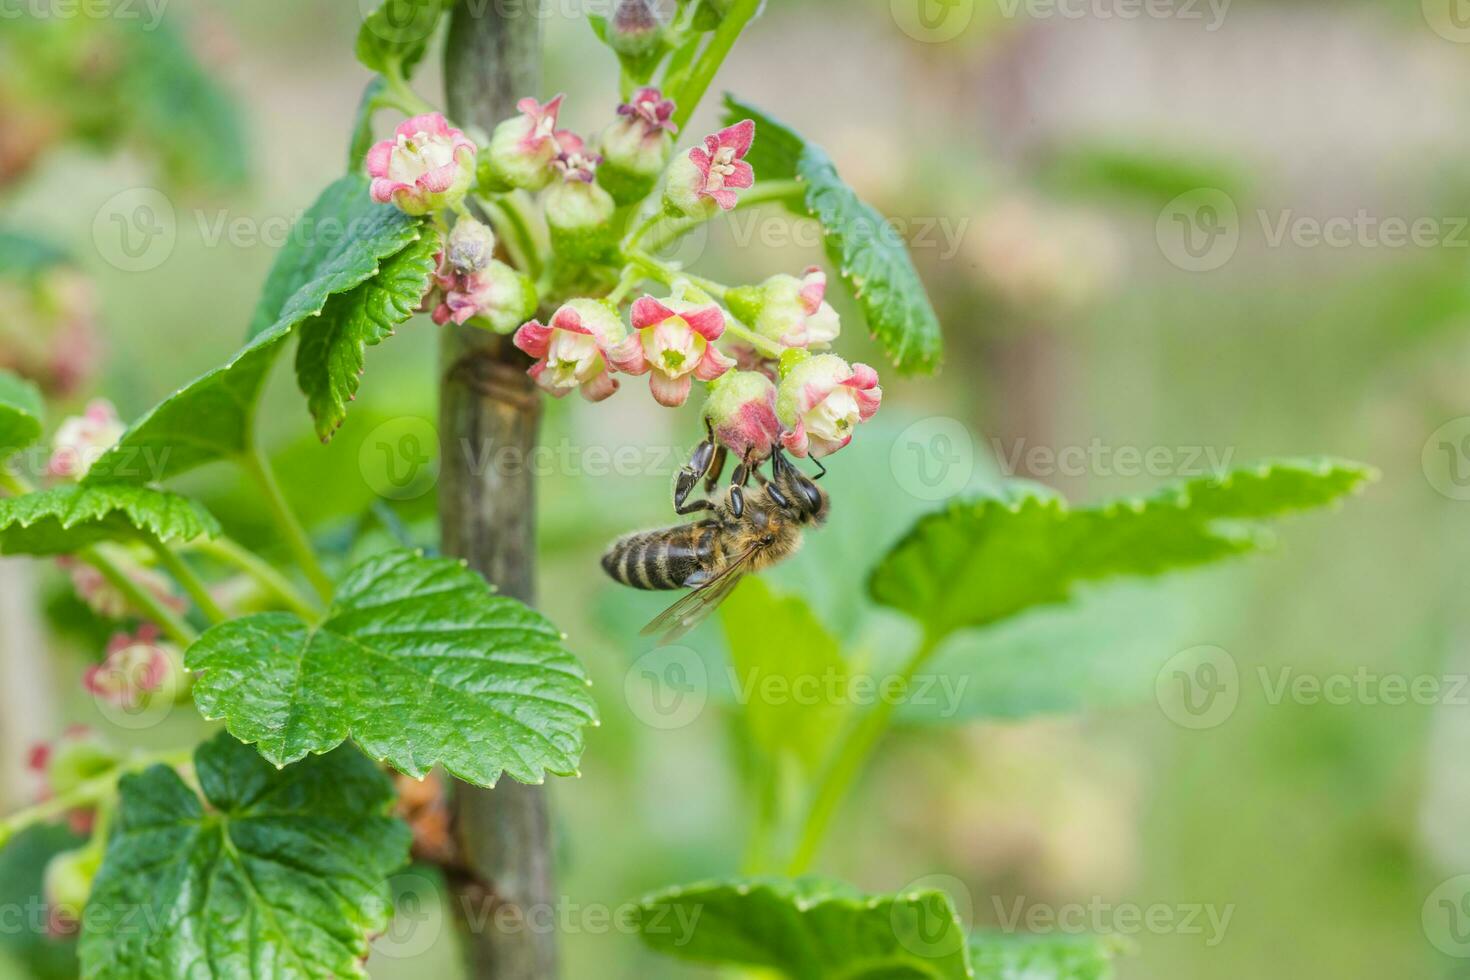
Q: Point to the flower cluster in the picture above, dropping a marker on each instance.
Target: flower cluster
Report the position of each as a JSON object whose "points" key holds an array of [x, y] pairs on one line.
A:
{"points": [[760, 351], [137, 668]]}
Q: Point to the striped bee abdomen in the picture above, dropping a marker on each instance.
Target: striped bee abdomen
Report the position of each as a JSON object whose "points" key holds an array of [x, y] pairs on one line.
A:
{"points": [[661, 560]]}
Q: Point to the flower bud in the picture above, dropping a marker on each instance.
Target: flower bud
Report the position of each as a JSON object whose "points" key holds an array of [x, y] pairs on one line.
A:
{"points": [[427, 166], [66, 886], [497, 297], [575, 349], [707, 177], [83, 439], [578, 211], [636, 29], [79, 755], [106, 599], [138, 668], [674, 344], [820, 402], [636, 148], [791, 311], [742, 410], [471, 245], [523, 149]]}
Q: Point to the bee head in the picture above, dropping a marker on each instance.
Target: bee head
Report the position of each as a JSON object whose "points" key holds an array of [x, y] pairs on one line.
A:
{"points": [[796, 492]]}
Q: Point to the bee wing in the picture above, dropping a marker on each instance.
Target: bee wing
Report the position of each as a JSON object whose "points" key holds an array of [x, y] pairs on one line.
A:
{"points": [[694, 608]]}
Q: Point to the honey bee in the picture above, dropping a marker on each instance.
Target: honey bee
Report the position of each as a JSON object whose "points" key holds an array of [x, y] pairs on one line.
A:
{"points": [[746, 532]]}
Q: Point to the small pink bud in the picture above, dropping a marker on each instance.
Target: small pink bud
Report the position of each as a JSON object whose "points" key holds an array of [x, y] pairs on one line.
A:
{"points": [[137, 669], [822, 400], [471, 245], [82, 439], [673, 343], [579, 212], [427, 166], [575, 349], [637, 146], [636, 28], [523, 149], [742, 410], [707, 177]]}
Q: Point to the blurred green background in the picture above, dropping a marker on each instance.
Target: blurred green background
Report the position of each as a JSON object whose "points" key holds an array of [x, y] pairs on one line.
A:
{"points": [[1046, 168]]}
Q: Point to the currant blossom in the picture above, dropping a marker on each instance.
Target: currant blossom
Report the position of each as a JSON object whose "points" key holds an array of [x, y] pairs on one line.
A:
{"points": [[471, 245], [821, 401], [78, 755], [674, 343], [636, 28], [427, 166], [66, 886], [637, 147], [793, 312], [137, 667], [82, 439], [49, 333], [472, 285], [574, 351], [578, 211], [106, 599], [708, 176], [742, 410], [522, 149]]}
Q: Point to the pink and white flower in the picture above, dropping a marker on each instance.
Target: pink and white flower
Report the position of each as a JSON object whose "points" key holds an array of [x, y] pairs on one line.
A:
{"points": [[106, 599], [137, 667], [427, 166], [575, 349], [708, 176], [673, 341], [793, 312], [523, 149], [742, 410], [637, 146], [821, 401], [83, 439]]}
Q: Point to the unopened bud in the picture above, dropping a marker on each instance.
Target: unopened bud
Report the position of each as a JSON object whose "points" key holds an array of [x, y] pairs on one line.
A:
{"points": [[471, 245]]}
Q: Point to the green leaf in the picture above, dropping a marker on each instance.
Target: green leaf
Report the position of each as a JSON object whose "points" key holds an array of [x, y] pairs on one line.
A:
{"points": [[809, 929], [337, 245], [20, 414], [333, 348], [982, 560], [362, 128], [398, 31], [22, 870], [418, 662], [1011, 956], [870, 255], [785, 662], [271, 874], [66, 518]]}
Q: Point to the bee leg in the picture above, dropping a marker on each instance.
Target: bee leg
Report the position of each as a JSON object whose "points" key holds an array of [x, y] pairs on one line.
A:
{"points": [[716, 469], [701, 464]]}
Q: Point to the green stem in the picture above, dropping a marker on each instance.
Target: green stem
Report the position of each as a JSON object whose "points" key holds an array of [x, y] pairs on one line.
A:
{"points": [[174, 627], [692, 92], [87, 793], [185, 576], [259, 469], [862, 738], [263, 573], [515, 233], [770, 348], [399, 95], [762, 193]]}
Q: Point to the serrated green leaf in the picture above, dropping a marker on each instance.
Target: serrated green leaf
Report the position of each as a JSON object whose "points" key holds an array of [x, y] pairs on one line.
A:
{"points": [[399, 30], [779, 651], [337, 245], [809, 929], [1009, 956], [362, 127], [982, 560], [67, 518], [418, 662], [22, 870], [271, 874], [870, 255], [333, 346], [21, 409]]}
